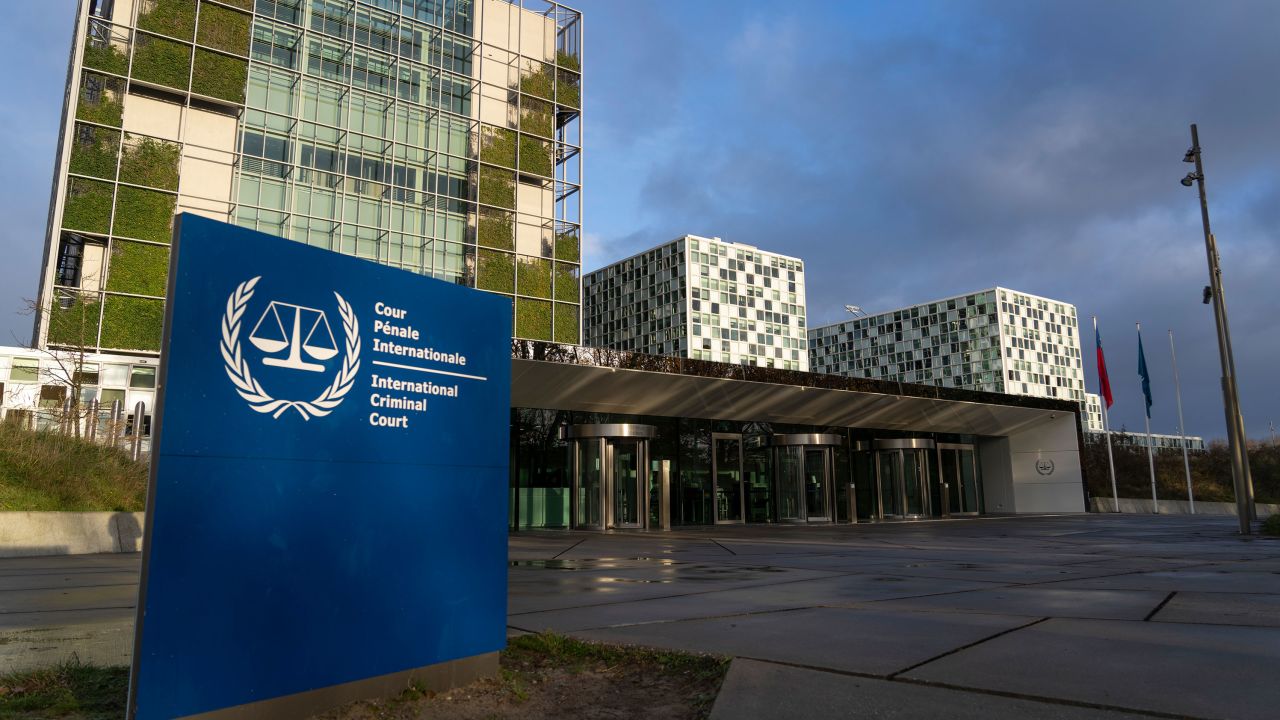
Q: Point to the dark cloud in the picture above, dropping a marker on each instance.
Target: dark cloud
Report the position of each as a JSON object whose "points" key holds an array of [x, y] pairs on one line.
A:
{"points": [[912, 153]]}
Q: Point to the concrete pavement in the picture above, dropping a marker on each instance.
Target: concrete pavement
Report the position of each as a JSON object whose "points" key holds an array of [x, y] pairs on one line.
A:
{"points": [[1060, 617]]}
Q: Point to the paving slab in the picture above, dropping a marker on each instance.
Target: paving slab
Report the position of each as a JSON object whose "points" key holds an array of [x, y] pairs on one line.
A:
{"points": [[1191, 580], [1222, 609], [852, 640], [106, 643], [755, 690], [74, 598], [1187, 670], [1036, 601]]}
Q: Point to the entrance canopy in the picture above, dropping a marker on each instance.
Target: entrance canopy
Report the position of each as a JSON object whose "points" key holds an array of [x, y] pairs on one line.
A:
{"points": [[609, 381]]}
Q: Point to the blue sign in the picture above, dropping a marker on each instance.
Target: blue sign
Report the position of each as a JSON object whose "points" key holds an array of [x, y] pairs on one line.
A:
{"points": [[329, 481]]}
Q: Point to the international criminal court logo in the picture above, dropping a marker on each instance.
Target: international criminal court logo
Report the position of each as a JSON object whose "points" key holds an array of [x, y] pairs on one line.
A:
{"points": [[295, 338]]}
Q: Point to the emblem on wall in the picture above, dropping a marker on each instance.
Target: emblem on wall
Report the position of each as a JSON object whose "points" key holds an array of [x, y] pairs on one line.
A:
{"points": [[1044, 467], [292, 337]]}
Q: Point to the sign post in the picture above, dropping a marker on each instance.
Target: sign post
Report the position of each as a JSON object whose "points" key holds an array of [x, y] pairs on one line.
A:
{"points": [[326, 518]]}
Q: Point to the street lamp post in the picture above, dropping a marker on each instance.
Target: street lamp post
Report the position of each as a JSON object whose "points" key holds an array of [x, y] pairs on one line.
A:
{"points": [[1230, 393]]}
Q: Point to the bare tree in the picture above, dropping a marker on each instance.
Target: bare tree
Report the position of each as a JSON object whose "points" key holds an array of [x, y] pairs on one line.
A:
{"points": [[72, 331]]}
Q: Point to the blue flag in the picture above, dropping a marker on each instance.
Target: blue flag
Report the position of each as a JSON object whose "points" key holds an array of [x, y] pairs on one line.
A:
{"points": [[1142, 373]]}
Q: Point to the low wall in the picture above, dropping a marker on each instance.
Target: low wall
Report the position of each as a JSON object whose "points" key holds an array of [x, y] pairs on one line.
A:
{"points": [[27, 534], [1175, 507]]}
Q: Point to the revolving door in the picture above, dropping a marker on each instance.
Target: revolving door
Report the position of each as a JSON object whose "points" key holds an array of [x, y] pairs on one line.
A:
{"points": [[610, 479]]}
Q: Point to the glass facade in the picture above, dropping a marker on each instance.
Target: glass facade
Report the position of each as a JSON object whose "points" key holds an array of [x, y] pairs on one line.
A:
{"points": [[438, 136], [723, 471], [702, 298]]}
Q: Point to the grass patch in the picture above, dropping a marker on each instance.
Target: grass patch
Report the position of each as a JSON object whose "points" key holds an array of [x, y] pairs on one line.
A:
{"points": [[1271, 526], [70, 690], [43, 471]]}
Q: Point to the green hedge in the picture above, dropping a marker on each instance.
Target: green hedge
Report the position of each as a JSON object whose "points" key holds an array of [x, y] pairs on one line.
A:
{"points": [[219, 76], [538, 80], [497, 187], [496, 271], [109, 108], [130, 323], [151, 162], [565, 60], [224, 29], [536, 117], [533, 319], [496, 229], [106, 58], [144, 214], [567, 247], [175, 18], [534, 276], [161, 61], [498, 146], [567, 282], [76, 325], [567, 92], [94, 151], [536, 157], [566, 324], [88, 206], [138, 268]]}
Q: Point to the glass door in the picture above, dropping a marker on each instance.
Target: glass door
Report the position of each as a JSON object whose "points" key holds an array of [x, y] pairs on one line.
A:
{"points": [[588, 483], [817, 484], [727, 468], [790, 485], [960, 477], [625, 480], [913, 482], [951, 484], [889, 476]]}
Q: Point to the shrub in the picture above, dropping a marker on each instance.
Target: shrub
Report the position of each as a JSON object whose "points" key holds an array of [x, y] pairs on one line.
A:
{"points": [[566, 282], [533, 276], [130, 323], [175, 18], [219, 76], [160, 61], [100, 99], [567, 247], [144, 214], [498, 146], [538, 80], [536, 116], [224, 29], [566, 324], [536, 157], [533, 319], [44, 471], [88, 206], [138, 268], [1271, 526], [496, 271], [94, 151], [567, 92], [496, 227], [105, 57], [565, 60], [497, 187], [76, 324], [151, 162]]}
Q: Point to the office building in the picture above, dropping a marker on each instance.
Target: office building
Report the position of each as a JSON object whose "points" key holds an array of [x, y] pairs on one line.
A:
{"points": [[1159, 441], [438, 136], [701, 298], [995, 340]]}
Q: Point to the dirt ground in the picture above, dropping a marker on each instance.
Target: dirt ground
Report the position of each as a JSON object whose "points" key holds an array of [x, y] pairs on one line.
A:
{"points": [[550, 676]]}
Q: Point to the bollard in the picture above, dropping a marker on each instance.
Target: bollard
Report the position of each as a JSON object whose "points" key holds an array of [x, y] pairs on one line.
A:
{"points": [[64, 422], [117, 410], [138, 416], [91, 421], [664, 497]]}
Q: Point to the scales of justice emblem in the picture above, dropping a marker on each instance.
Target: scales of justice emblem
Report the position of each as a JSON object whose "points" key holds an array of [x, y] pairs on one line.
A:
{"points": [[302, 335]]}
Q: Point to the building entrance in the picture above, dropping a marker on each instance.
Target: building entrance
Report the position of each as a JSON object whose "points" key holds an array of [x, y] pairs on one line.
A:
{"points": [[959, 479], [610, 475], [906, 485], [726, 468], [804, 476]]}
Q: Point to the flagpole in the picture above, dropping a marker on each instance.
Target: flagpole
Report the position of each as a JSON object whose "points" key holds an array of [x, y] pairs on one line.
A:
{"points": [[1182, 430], [1151, 458], [1106, 430]]}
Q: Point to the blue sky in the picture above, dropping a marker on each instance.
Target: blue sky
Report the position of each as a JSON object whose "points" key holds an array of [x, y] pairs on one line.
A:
{"points": [[906, 151]]}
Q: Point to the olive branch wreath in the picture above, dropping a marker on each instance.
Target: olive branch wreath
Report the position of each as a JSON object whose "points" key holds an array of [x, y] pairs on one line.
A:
{"points": [[237, 366]]}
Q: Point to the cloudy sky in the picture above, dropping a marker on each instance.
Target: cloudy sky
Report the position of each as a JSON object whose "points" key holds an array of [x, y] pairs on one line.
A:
{"points": [[906, 151]]}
